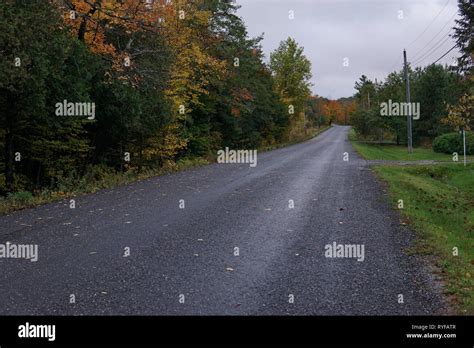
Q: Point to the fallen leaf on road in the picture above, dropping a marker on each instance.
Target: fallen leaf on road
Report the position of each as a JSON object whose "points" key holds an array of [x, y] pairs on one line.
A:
{"points": [[230, 269]]}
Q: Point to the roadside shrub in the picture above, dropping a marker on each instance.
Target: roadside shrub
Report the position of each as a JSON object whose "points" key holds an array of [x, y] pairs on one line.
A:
{"points": [[190, 162], [21, 197], [452, 142]]}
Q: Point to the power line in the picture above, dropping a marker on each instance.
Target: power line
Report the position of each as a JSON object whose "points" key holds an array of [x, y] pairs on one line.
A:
{"points": [[437, 60], [444, 26], [433, 49], [427, 27]]}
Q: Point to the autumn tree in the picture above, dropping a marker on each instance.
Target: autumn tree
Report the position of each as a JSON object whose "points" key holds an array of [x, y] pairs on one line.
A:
{"points": [[186, 30], [130, 37], [251, 112], [461, 115]]}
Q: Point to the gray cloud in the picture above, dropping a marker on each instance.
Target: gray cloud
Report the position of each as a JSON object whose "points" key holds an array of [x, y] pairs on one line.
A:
{"points": [[368, 32]]}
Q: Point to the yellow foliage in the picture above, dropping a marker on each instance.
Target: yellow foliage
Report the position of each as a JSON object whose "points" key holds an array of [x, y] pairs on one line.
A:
{"points": [[461, 115], [188, 39]]}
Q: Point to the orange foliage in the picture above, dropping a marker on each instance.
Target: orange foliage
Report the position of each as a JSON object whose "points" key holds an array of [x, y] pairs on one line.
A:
{"points": [[239, 98], [90, 20]]}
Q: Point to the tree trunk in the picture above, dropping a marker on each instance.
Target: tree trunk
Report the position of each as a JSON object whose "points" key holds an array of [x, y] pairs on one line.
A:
{"points": [[121, 158], [9, 161], [83, 27], [38, 176], [140, 154]]}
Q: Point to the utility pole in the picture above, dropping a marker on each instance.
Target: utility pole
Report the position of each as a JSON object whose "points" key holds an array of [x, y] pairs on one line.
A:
{"points": [[409, 116]]}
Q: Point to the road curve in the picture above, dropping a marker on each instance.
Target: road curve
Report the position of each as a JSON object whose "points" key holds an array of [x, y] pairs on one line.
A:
{"points": [[281, 267]]}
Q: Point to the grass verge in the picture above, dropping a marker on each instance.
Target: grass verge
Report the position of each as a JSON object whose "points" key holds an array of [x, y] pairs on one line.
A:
{"points": [[439, 204], [396, 152]]}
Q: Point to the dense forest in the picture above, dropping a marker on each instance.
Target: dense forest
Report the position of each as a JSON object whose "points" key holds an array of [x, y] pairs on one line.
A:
{"points": [[89, 88]]}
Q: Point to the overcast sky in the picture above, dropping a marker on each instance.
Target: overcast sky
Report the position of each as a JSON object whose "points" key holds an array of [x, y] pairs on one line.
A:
{"points": [[371, 34]]}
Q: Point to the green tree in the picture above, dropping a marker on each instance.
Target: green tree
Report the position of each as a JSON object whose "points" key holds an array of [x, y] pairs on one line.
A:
{"points": [[40, 65], [394, 89], [464, 36], [292, 73], [433, 87], [242, 109], [366, 118]]}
